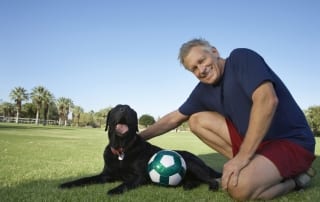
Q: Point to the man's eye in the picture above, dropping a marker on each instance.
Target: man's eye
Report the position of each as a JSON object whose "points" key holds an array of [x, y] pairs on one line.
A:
{"points": [[201, 60], [193, 69]]}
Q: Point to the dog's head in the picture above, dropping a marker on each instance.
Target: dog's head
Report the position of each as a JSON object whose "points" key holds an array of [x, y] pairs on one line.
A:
{"points": [[122, 126]]}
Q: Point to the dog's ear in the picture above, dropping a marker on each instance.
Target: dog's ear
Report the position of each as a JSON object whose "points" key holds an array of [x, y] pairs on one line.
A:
{"points": [[136, 121], [107, 121]]}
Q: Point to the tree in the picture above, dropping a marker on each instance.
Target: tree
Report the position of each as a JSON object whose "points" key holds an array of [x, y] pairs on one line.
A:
{"points": [[7, 109], [101, 115], [53, 113], [18, 95], [28, 110], [87, 119], [76, 113], [313, 118], [64, 105], [47, 99], [37, 98], [146, 120]]}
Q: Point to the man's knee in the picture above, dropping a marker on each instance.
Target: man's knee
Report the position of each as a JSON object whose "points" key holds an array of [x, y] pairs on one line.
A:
{"points": [[194, 122], [205, 119], [241, 192]]}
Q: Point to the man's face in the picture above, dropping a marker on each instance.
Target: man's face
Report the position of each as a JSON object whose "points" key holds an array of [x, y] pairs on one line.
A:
{"points": [[203, 63]]}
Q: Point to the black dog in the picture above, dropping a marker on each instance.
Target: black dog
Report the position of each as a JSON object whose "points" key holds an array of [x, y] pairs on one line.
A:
{"points": [[127, 155]]}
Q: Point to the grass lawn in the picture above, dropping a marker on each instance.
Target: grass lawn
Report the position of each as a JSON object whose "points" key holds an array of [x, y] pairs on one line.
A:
{"points": [[34, 160]]}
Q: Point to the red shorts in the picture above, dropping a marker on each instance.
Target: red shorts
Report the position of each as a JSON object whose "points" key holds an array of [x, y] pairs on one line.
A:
{"points": [[291, 159]]}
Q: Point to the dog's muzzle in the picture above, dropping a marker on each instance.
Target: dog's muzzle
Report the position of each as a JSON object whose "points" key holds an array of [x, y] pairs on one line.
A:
{"points": [[121, 129]]}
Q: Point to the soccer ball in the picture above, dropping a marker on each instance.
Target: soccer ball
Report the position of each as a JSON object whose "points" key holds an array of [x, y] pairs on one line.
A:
{"points": [[167, 168]]}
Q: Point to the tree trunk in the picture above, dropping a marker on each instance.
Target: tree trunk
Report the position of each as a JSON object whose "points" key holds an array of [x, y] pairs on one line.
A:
{"points": [[37, 117], [45, 115], [17, 117], [78, 117]]}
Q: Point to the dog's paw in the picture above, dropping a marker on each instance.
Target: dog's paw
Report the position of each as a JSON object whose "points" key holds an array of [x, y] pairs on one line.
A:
{"points": [[188, 185], [214, 185]]}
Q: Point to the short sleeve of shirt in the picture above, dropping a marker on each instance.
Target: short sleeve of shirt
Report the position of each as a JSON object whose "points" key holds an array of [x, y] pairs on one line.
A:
{"points": [[250, 69], [192, 104], [204, 97]]}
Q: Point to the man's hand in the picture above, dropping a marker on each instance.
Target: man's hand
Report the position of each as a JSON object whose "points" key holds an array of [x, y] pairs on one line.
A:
{"points": [[231, 171], [265, 102]]}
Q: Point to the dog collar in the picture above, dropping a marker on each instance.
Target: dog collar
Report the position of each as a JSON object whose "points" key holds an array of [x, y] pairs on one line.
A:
{"points": [[120, 151]]}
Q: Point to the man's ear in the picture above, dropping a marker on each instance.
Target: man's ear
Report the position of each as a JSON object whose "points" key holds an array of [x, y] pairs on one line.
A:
{"points": [[215, 51]]}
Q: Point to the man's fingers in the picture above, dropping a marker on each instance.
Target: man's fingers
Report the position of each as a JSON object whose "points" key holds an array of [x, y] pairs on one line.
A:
{"points": [[229, 180], [234, 179], [225, 180]]}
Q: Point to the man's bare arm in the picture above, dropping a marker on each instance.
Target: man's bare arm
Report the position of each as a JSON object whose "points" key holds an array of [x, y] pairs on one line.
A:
{"points": [[163, 125]]}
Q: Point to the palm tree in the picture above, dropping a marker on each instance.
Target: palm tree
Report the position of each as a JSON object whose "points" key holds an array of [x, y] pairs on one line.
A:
{"points": [[101, 115], [7, 109], [60, 105], [19, 94], [64, 105], [69, 105], [37, 98], [76, 112], [47, 99]]}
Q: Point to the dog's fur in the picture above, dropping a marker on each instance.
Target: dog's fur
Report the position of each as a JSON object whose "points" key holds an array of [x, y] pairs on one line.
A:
{"points": [[127, 155]]}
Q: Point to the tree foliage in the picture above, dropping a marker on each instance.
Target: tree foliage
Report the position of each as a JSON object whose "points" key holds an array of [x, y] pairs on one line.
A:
{"points": [[313, 118], [76, 114], [28, 110], [146, 120], [89, 119], [7, 109], [64, 106], [41, 97], [18, 95]]}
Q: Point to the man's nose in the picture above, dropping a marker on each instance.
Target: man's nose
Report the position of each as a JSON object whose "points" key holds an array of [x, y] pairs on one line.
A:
{"points": [[202, 69]]}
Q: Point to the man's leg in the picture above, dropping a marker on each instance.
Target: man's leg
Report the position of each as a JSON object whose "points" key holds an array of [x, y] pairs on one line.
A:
{"points": [[211, 128], [259, 180]]}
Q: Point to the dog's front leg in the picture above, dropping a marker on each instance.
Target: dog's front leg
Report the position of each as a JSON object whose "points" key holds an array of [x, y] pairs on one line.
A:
{"points": [[128, 185]]}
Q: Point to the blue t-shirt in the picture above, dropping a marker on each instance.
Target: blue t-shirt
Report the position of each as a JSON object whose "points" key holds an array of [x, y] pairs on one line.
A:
{"points": [[244, 71]]}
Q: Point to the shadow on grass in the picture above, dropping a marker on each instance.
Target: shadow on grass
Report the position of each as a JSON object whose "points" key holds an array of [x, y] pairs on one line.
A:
{"points": [[214, 160], [47, 190]]}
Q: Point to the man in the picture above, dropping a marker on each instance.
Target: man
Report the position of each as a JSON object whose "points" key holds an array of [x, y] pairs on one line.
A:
{"points": [[241, 109]]}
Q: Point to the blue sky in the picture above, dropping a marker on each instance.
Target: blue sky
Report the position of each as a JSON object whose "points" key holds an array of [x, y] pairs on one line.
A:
{"points": [[100, 52]]}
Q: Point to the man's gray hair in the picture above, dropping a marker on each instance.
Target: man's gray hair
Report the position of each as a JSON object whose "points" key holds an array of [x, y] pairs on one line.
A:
{"points": [[186, 47]]}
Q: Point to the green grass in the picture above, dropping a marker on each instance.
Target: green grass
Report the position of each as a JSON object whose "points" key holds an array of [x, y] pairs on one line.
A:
{"points": [[34, 160]]}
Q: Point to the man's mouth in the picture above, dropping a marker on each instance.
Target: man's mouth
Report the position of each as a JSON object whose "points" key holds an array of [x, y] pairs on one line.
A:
{"points": [[206, 71]]}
